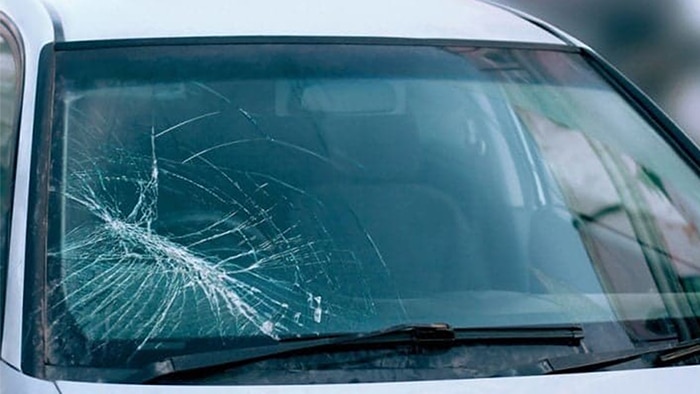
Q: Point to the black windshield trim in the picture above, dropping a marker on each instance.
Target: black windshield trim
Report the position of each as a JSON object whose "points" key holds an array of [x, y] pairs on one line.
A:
{"points": [[181, 41], [33, 351], [654, 356]]}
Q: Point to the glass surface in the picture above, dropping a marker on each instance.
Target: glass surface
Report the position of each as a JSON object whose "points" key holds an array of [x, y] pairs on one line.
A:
{"points": [[207, 197]]}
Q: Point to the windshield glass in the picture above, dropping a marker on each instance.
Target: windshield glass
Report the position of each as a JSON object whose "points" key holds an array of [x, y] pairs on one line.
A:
{"points": [[221, 196]]}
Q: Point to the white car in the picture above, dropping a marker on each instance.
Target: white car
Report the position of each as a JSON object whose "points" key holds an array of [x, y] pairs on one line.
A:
{"points": [[231, 196]]}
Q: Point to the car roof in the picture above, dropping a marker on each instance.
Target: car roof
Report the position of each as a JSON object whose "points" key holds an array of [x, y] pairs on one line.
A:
{"points": [[88, 20]]}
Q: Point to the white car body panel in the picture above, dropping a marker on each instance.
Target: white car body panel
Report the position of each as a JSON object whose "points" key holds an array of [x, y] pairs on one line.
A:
{"points": [[14, 382], [444, 19], [646, 381]]}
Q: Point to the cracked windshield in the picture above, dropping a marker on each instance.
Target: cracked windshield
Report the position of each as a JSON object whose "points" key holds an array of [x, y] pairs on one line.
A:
{"points": [[218, 196]]}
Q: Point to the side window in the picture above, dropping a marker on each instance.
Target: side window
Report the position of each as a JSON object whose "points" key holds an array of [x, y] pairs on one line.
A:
{"points": [[10, 87]]}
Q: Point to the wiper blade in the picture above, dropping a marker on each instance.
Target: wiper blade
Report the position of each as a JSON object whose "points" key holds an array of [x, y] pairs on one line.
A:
{"points": [[439, 334], [588, 362], [680, 352]]}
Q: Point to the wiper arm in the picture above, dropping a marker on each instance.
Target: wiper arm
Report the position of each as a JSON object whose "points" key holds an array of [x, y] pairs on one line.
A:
{"points": [[588, 362], [421, 335]]}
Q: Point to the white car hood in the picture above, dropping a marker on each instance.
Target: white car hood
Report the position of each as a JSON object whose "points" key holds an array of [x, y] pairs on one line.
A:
{"points": [[639, 381]]}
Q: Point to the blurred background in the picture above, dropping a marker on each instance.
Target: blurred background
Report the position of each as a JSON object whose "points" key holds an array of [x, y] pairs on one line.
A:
{"points": [[656, 43]]}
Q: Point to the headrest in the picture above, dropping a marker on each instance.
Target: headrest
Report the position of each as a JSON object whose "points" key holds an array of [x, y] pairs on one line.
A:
{"points": [[350, 97], [380, 147]]}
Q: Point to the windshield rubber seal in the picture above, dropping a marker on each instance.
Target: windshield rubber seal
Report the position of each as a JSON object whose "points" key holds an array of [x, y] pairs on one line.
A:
{"points": [[320, 40], [34, 308]]}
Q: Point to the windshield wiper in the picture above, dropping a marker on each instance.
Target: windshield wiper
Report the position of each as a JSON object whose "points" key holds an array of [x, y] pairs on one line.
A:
{"points": [[439, 334], [655, 356]]}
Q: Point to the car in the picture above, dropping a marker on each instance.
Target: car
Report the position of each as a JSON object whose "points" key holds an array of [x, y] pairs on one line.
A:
{"points": [[319, 196]]}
